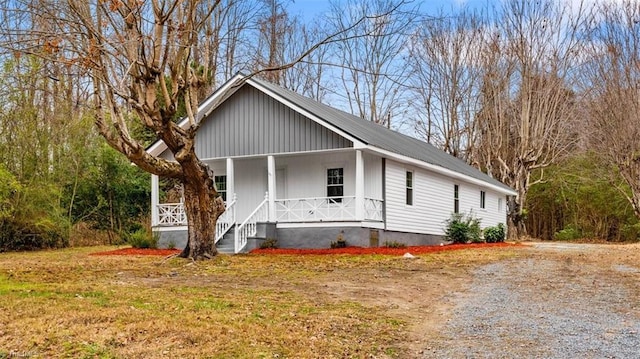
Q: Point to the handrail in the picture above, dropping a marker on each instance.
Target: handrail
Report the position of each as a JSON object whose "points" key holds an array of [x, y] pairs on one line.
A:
{"points": [[226, 220], [248, 228]]}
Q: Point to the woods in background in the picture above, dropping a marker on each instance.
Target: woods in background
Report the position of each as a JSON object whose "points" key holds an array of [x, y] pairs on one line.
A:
{"points": [[544, 96]]}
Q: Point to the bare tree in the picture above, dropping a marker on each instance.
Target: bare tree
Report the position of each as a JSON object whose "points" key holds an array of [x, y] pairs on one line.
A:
{"points": [[446, 71], [141, 60], [372, 73], [525, 123], [612, 84], [308, 76]]}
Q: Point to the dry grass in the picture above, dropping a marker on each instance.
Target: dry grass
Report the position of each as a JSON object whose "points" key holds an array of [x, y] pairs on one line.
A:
{"points": [[67, 303]]}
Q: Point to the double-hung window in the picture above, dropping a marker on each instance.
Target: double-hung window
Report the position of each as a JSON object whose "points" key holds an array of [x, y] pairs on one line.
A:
{"points": [[221, 186], [456, 199], [409, 192], [335, 184]]}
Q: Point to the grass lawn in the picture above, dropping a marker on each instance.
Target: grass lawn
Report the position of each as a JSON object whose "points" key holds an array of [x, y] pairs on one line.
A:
{"points": [[67, 303]]}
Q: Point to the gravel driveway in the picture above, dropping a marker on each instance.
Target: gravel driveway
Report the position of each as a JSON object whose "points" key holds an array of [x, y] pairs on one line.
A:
{"points": [[563, 301]]}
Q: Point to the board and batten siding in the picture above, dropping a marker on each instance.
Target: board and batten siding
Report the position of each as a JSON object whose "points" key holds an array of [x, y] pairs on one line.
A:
{"points": [[252, 123], [433, 201], [372, 176]]}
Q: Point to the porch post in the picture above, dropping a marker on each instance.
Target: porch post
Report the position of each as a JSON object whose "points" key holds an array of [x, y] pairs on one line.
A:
{"points": [[155, 200], [359, 186], [271, 187], [231, 188]]}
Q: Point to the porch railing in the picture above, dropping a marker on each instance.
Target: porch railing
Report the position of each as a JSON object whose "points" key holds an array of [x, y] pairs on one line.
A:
{"points": [[373, 209], [319, 209], [171, 214], [226, 219], [249, 227]]}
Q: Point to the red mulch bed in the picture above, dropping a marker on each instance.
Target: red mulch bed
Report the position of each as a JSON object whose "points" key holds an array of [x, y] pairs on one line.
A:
{"points": [[294, 251], [382, 250], [138, 252]]}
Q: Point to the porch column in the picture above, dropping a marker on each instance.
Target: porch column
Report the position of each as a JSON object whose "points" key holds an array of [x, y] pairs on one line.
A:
{"points": [[271, 187], [155, 200], [231, 188], [359, 186]]}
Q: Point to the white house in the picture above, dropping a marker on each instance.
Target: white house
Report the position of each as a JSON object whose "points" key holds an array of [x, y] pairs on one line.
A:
{"points": [[301, 172]]}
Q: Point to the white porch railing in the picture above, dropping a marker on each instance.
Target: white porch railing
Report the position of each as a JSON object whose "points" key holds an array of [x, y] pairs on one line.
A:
{"points": [[248, 228], [226, 219], [316, 209], [171, 214], [373, 209], [325, 209]]}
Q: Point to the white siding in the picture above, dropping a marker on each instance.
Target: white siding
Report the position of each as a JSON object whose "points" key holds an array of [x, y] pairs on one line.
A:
{"points": [[250, 185], [307, 174], [433, 201], [470, 203], [372, 176]]}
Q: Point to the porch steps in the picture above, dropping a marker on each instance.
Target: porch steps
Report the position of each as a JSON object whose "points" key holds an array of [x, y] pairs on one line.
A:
{"points": [[226, 245]]}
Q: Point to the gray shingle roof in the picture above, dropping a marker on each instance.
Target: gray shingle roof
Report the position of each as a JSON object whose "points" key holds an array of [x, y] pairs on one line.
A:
{"points": [[379, 136]]}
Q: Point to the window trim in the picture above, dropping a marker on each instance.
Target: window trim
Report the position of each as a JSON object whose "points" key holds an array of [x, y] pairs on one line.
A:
{"points": [[483, 199], [456, 198], [409, 197], [334, 198], [221, 192]]}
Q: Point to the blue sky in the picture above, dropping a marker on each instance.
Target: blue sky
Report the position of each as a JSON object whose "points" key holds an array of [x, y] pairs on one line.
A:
{"points": [[310, 9]]}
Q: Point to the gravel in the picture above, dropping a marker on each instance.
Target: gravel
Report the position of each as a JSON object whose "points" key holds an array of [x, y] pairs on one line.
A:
{"points": [[543, 308]]}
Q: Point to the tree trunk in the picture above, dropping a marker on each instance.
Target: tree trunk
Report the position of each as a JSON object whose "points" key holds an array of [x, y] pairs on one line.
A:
{"points": [[203, 207]]}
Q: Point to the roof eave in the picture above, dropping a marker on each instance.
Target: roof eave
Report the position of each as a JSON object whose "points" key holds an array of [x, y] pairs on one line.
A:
{"points": [[441, 170]]}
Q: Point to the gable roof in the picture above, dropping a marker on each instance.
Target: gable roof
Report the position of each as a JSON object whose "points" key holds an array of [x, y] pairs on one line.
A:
{"points": [[369, 133], [379, 136]]}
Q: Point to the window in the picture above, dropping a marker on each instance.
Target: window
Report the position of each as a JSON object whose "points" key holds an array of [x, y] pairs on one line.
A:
{"points": [[456, 199], [409, 188], [335, 184], [483, 197], [499, 204], [221, 186]]}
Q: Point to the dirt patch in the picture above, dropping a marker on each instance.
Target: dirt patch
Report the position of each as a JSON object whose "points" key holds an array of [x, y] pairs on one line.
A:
{"points": [[137, 252]]}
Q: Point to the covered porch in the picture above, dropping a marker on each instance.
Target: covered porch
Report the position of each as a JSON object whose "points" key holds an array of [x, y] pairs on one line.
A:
{"points": [[293, 190]]}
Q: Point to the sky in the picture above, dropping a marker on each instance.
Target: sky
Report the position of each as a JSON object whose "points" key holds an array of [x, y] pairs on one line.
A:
{"points": [[310, 9]]}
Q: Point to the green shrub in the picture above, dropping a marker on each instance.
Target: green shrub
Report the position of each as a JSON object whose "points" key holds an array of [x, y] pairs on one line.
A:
{"points": [[269, 243], [394, 244], [495, 234], [567, 234], [141, 239], [463, 229], [630, 232]]}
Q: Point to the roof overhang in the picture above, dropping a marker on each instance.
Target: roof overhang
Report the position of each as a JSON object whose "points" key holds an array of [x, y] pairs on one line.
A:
{"points": [[441, 170]]}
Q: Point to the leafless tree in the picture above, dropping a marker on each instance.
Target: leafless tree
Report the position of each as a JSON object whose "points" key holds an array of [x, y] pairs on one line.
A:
{"points": [[372, 72], [527, 103], [612, 85], [446, 71], [142, 61]]}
